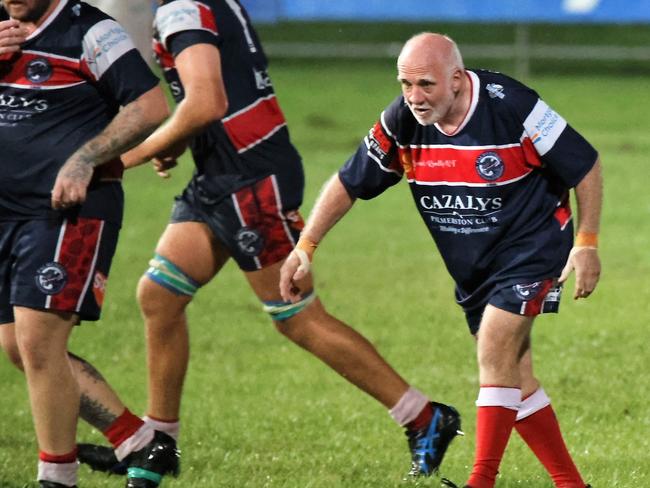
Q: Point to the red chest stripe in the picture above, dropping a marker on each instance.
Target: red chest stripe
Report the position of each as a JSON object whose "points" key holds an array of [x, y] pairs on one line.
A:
{"points": [[457, 165], [255, 123], [37, 70]]}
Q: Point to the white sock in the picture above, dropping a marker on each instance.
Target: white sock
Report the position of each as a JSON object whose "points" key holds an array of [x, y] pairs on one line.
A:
{"points": [[141, 437], [172, 429], [533, 403], [63, 473], [409, 406]]}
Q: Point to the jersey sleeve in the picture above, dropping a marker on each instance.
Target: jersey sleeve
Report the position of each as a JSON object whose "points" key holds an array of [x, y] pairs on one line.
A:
{"points": [[551, 142], [184, 23], [375, 165], [112, 61]]}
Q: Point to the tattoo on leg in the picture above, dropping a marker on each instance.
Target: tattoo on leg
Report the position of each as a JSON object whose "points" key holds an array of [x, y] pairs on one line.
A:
{"points": [[87, 368], [95, 413]]}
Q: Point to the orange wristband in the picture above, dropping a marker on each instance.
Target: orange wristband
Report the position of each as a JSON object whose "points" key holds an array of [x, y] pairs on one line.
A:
{"points": [[308, 246], [586, 239]]}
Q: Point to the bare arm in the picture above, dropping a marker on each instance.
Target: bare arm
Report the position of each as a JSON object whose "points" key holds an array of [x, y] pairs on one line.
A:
{"points": [[332, 204], [129, 127], [584, 256], [199, 68], [11, 36]]}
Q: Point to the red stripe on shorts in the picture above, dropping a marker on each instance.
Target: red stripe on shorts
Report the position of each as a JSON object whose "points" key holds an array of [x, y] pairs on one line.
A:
{"points": [[534, 306], [260, 208], [77, 254]]}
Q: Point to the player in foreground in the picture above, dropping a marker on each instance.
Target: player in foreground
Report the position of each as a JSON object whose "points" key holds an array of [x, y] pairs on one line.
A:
{"points": [[242, 203], [490, 166], [75, 95]]}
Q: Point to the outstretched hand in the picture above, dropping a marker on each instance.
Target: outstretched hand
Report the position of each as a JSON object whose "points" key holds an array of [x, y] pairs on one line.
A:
{"points": [[586, 263], [296, 267]]}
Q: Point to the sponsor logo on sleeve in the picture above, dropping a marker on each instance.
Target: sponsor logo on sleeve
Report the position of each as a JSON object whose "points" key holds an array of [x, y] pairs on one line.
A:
{"points": [[544, 127], [51, 278], [495, 91], [105, 43]]}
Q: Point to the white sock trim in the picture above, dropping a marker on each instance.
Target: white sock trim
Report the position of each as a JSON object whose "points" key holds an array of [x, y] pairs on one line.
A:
{"points": [[491, 396], [63, 473], [534, 403], [141, 437], [172, 429], [409, 406]]}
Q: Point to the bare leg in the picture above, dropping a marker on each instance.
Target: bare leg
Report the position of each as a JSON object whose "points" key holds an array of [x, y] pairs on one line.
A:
{"points": [[336, 344], [100, 405], [53, 392], [191, 247]]}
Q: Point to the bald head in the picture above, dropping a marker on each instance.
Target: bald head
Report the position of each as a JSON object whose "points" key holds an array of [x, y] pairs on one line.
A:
{"points": [[431, 72], [435, 51]]}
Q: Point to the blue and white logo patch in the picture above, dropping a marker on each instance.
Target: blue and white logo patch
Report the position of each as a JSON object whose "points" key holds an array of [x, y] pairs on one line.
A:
{"points": [[249, 241], [528, 292], [489, 166], [51, 278], [544, 126], [38, 70]]}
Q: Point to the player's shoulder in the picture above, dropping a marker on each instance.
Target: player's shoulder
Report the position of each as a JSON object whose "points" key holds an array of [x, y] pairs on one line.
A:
{"points": [[397, 118], [502, 89]]}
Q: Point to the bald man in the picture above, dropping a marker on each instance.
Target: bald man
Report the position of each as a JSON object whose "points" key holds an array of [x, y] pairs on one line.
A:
{"points": [[490, 166]]}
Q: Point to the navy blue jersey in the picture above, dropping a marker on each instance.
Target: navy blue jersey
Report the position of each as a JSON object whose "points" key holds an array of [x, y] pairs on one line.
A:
{"points": [[69, 81], [252, 140], [493, 194]]}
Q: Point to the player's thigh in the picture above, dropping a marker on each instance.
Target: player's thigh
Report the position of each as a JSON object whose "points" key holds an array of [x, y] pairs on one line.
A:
{"points": [[192, 247], [42, 333], [265, 282], [9, 344], [503, 332]]}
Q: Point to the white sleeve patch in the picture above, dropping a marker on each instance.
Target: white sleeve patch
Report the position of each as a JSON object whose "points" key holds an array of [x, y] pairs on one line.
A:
{"points": [[103, 44], [543, 126], [177, 16]]}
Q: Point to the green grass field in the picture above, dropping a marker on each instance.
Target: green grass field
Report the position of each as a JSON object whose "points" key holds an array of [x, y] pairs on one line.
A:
{"points": [[259, 412]]}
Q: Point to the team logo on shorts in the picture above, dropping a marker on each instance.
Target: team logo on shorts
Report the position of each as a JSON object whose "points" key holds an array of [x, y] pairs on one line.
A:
{"points": [[528, 292], [250, 241], [38, 70], [51, 278], [489, 166]]}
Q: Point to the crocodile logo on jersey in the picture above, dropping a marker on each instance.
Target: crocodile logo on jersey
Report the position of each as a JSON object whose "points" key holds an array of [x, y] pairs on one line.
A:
{"points": [[51, 278], [249, 241], [38, 70], [489, 166], [528, 292], [495, 90]]}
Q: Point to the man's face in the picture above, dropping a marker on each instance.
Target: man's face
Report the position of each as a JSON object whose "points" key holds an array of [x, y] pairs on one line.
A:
{"points": [[428, 91], [26, 10]]}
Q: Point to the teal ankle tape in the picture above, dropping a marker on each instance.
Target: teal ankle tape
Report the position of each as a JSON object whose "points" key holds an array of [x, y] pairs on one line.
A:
{"points": [[144, 473]]}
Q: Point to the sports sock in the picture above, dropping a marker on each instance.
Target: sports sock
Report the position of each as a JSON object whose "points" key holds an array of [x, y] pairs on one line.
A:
{"points": [[497, 411], [128, 433], [58, 468], [539, 428], [170, 427], [410, 407]]}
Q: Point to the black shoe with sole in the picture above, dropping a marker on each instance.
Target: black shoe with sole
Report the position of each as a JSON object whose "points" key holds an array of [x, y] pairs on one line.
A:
{"points": [[100, 458], [147, 466], [429, 444]]}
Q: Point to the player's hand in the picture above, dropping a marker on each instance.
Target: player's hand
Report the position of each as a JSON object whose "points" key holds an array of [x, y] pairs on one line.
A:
{"points": [[71, 184], [296, 267], [586, 263], [11, 37], [163, 165]]}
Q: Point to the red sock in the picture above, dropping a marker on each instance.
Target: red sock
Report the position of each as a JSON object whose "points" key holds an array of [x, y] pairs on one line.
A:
{"points": [[422, 420], [541, 431], [122, 428], [493, 428], [70, 457]]}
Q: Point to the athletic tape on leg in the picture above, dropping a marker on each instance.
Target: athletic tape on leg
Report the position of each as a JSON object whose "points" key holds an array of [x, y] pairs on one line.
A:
{"points": [[165, 273], [285, 310]]}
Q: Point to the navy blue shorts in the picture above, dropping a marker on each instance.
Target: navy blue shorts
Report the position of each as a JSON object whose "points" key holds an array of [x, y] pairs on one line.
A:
{"points": [[57, 265], [250, 223], [529, 299]]}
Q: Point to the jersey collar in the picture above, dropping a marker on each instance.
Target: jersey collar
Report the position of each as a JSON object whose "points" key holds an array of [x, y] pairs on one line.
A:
{"points": [[474, 82], [53, 15]]}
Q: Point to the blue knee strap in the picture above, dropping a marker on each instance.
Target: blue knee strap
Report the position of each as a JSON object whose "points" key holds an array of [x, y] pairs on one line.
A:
{"points": [[165, 273], [285, 310]]}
